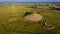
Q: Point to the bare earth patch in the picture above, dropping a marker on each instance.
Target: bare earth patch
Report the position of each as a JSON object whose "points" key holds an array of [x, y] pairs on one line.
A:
{"points": [[33, 17], [12, 19]]}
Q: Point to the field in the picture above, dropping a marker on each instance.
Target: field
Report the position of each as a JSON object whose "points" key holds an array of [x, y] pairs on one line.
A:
{"points": [[21, 26]]}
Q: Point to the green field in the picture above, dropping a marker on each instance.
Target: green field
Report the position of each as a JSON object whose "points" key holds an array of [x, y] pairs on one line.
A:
{"points": [[21, 26]]}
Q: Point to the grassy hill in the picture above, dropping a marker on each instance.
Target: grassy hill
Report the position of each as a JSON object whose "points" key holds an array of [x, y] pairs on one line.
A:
{"points": [[21, 26]]}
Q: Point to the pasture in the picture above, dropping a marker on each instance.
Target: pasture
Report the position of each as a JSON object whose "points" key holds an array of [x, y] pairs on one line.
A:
{"points": [[17, 25]]}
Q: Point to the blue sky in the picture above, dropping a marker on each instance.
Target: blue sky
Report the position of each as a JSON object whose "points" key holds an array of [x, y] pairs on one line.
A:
{"points": [[29, 0]]}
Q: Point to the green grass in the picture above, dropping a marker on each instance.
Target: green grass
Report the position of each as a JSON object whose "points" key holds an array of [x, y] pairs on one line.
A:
{"points": [[21, 26]]}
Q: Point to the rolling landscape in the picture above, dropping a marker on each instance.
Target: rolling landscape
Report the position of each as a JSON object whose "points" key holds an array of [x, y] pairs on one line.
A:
{"points": [[12, 18]]}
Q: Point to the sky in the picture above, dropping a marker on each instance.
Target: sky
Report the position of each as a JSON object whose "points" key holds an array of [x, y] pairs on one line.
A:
{"points": [[29, 0]]}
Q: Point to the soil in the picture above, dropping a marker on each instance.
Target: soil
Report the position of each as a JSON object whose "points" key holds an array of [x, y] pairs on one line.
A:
{"points": [[33, 17]]}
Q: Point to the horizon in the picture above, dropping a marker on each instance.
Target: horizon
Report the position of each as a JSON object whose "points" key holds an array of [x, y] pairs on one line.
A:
{"points": [[29, 0]]}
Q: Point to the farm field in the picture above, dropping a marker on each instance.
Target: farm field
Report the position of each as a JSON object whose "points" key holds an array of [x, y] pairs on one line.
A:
{"points": [[12, 21]]}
